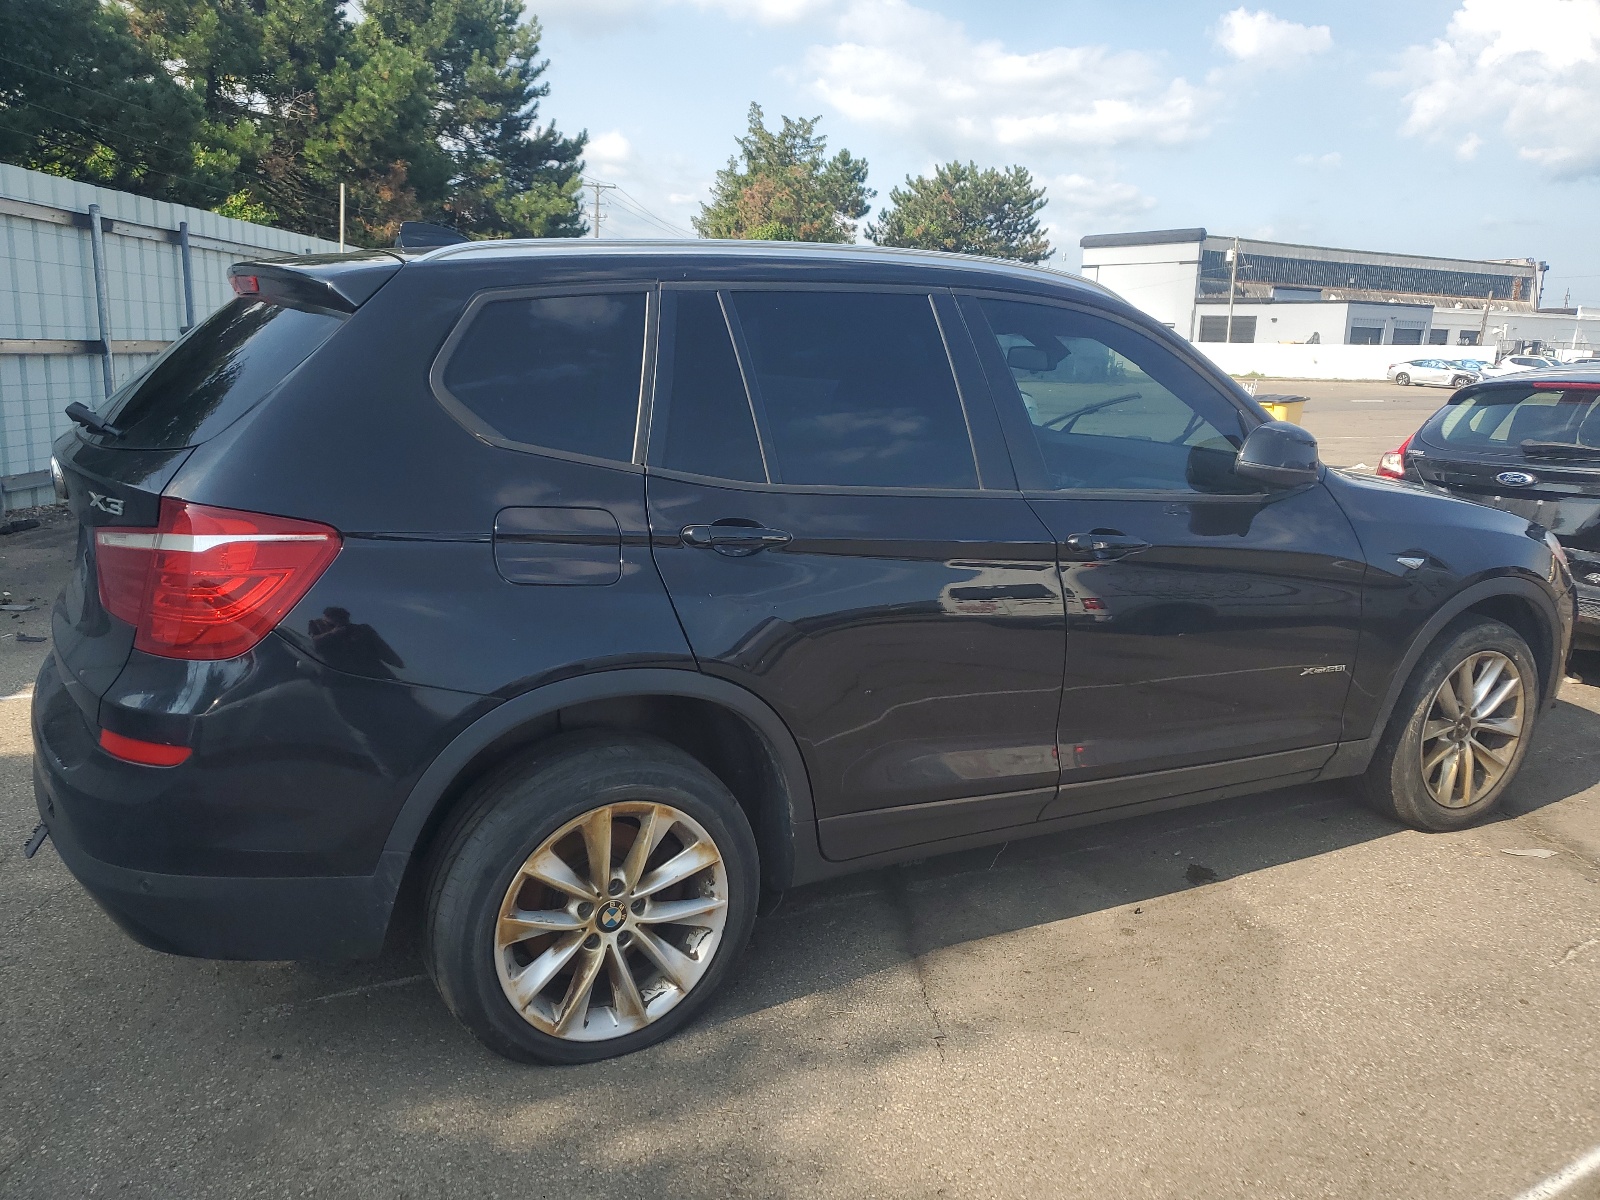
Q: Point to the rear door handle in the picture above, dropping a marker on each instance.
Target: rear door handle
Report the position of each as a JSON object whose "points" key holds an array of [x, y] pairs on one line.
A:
{"points": [[1104, 545], [736, 541]]}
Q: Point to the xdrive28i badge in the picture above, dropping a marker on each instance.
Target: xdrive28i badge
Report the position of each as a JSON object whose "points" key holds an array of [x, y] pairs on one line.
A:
{"points": [[1515, 478]]}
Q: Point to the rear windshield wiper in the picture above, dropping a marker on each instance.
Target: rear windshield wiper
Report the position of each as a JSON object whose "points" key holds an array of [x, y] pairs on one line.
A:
{"points": [[83, 415], [1559, 450]]}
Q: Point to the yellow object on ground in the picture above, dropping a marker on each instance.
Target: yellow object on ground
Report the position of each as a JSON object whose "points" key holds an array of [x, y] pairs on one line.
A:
{"points": [[1283, 408]]}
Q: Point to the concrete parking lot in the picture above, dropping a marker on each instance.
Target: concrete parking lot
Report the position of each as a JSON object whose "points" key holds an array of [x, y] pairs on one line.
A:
{"points": [[1284, 995]]}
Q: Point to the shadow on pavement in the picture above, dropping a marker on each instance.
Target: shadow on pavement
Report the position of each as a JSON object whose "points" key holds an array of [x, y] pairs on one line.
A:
{"points": [[355, 1076]]}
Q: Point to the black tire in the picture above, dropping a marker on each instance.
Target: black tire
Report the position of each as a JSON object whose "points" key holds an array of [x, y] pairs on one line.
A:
{"points": [[1403, 379], [1394, 782], [1460, 381], [511, 814]]}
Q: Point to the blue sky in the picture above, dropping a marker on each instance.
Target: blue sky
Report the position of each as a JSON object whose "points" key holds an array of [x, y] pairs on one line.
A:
{"points": [[1449, 127]]}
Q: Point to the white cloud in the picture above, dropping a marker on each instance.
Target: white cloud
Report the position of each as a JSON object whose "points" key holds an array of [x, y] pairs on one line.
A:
{"points": [[915, 72], [610, 16], [608, 153], [1326, 161], [1530, 68], [1077, 199], [1261, 36], [1079, 204]]}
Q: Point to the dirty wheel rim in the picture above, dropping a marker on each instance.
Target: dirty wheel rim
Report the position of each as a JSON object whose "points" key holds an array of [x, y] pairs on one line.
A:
{"points": [[1473, 727], [612, 921]]}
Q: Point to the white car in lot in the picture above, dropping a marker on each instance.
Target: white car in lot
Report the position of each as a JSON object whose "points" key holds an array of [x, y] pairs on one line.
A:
{"points": [[1515, 363], [1435, 372]]}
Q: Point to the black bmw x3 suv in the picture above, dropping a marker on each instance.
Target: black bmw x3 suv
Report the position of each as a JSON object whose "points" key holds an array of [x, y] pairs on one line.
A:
{"points": [[595, 591]]}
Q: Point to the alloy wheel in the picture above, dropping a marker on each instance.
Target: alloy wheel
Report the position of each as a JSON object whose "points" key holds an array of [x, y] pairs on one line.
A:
{"points": [[611, 922], [1473, 726]]}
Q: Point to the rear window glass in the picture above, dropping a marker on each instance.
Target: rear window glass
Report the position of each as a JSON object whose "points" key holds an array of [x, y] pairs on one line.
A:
{"points": [[556, 372], [857, 389], [209, 378], [1522, 422], [709, 426]]}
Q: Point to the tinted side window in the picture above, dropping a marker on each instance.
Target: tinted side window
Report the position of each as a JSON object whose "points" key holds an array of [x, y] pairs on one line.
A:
{"points": [[857, 390], [709, 427], [560, 372], [208, 379], [1110, 408]]}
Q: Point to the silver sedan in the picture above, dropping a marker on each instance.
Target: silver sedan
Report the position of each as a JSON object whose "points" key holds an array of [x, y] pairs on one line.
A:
{"points": [[1435, 372]]}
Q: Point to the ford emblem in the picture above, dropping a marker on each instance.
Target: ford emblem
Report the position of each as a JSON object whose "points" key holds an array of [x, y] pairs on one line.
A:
{"points": [[1514, 478]]}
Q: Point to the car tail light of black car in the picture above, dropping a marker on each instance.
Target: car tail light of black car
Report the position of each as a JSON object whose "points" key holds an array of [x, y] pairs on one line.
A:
{"points": [[590, 593]]}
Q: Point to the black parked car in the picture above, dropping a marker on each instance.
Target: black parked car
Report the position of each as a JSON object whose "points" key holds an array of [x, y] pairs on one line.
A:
{"points": [[596, 590], [1529, 444]]}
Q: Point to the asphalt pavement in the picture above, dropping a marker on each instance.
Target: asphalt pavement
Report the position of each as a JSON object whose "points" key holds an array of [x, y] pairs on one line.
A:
{"points": [[1284, 995]]}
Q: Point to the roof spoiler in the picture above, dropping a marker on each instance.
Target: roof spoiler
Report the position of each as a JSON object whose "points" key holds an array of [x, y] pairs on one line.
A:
{"points": [[424, 235], [340, 282]]}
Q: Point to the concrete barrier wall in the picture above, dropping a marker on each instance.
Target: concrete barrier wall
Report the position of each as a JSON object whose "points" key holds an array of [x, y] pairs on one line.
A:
{"points": [[1320, 362], [51, 343]]}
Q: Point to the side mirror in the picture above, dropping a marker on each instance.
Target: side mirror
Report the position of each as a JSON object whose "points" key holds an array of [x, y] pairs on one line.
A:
{"points": [[1279, 455]]}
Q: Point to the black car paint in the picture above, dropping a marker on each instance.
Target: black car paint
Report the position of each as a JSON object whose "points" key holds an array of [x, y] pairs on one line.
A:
{"points": [[446, 633], [1562, 495]]}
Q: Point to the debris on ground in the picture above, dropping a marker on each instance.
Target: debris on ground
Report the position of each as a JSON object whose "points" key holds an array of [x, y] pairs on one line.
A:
{"points": [[1531, 853]]}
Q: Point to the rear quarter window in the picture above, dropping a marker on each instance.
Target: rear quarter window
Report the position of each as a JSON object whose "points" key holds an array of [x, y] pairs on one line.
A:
{"points": [[214, 374], [550, 372]]}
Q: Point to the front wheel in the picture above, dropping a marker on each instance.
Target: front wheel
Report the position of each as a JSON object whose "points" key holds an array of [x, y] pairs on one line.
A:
{"points": [[1403, 379], [590, 899], [1460, 729], [1460, 381]]}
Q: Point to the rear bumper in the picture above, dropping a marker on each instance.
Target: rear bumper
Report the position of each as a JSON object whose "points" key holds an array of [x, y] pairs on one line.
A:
{"points": [[271, 851], [302, 917]]}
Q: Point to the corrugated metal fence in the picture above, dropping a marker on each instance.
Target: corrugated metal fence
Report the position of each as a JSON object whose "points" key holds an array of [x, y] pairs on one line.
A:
{"points": [[62, 337]]}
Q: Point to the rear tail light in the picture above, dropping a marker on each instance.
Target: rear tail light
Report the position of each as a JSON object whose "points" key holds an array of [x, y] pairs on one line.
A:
{"points": [[146, 754], [207, 582], [1393, 464]]}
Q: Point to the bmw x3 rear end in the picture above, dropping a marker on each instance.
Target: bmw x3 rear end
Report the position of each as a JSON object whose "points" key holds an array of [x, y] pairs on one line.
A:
{"points": [[591, 594]]}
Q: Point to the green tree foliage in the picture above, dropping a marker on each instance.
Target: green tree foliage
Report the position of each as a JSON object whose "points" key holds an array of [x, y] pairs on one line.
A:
{"points": [[422, 108], [782, 187], [506, 174], [966, 210], [81, 97]]}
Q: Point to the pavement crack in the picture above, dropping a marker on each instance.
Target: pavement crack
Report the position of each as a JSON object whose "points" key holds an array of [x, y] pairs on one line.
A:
{"points": [[900, 900]]}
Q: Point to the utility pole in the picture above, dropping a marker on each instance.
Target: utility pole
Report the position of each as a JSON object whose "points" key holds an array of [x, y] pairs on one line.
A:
{"points": [[1233, 286], [341, 218], [598, 188], [1483, 329]]}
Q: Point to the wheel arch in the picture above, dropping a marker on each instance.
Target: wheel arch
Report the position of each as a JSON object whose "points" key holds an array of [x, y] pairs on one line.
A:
{"points": [[728, 729], [1518, 602]]}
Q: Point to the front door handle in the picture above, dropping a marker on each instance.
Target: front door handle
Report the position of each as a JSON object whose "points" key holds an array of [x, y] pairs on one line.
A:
{"points": [[736, 541], [1104, 544]]}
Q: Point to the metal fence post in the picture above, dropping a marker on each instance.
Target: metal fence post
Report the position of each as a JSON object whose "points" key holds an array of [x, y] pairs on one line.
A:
{"points": [[102, 296], [188, 276]]}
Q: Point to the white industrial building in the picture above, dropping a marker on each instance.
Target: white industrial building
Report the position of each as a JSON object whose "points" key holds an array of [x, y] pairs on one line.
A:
{"points": [[1225, 289]]}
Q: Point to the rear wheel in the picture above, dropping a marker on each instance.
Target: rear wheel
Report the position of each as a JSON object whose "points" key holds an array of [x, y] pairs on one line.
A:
{"points": [[1403, 379], [1460, 729], [590, 899]]}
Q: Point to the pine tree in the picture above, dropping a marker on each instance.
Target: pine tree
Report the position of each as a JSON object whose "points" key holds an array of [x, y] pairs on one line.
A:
{"points": [[503, 173], [262, 108], [81, 97], [782, 187], [967, 210]]}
